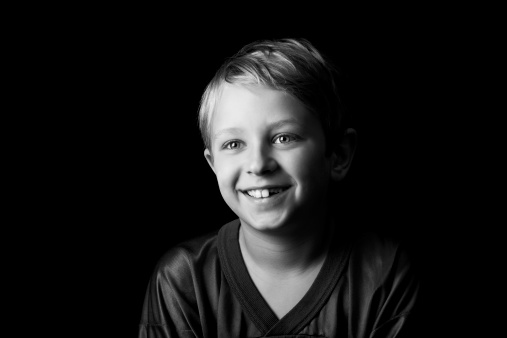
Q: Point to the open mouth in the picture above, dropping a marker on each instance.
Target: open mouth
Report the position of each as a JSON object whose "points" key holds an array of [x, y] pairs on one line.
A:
{"points": [[264, 193]]}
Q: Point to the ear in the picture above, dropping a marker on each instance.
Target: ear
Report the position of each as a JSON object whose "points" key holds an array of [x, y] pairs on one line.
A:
{"points": [[209, 158], [342, 157]]}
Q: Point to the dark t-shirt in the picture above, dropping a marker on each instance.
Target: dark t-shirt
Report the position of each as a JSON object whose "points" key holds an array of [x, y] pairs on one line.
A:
{"points": [[201, 288]]}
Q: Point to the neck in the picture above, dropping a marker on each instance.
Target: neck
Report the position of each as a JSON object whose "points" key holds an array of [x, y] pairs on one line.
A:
{"points": [[288, 253]]}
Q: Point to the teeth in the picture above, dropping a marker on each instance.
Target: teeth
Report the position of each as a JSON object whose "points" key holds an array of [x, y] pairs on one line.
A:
{"points": [[263, 193]]}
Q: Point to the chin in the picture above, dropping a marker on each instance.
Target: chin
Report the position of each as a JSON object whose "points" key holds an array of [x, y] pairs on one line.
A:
{"points": [[264, 223]]}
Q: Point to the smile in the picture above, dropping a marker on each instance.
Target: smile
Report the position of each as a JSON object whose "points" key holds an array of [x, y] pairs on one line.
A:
{"points": [[264, 193]]}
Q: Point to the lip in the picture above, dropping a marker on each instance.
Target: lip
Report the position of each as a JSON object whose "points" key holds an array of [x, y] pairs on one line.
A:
{"points": [[281, 186], [271, 199]]}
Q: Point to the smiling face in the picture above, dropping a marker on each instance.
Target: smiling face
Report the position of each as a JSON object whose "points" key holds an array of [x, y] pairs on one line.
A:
{"points": [[268, 154]]}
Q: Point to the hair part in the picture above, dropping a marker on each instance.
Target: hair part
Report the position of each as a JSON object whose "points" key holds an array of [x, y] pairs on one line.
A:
{"points": [[293, 66]]}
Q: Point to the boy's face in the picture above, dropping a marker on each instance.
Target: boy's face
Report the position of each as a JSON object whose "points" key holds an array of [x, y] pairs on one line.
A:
{"points": [[268, 154]]}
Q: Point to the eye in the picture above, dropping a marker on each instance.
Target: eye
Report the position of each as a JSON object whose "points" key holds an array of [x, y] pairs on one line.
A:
{"points": [[284, 138], [232, 145]]}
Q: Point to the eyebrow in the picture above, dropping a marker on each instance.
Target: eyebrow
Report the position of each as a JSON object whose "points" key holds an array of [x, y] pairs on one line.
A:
{"points": [[274, 125], [284, 122], [227, 131]]}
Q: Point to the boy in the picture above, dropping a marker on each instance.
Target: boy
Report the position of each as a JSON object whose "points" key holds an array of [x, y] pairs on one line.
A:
{"points": [[276, 139]]}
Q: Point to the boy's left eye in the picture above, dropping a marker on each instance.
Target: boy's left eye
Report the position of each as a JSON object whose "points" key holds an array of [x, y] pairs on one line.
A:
{"points": [[284, 138]]}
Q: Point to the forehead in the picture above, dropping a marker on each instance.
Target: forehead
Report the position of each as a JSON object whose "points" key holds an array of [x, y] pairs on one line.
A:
{"points": [[249, 105]]}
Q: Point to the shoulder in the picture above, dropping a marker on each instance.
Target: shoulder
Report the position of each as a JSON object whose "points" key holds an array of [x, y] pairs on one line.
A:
{"points": [[182, 262], [379, 255], [173, 294]]}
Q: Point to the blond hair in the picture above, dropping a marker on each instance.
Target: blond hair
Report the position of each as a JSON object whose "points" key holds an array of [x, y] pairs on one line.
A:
{"points": [[293, 66]]}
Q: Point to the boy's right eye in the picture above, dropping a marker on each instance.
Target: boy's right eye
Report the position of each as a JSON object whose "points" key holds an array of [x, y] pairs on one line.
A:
{"points": [[231, 145]]}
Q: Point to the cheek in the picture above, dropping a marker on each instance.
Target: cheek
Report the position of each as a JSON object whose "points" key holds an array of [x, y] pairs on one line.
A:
{"points": [[312, 169], [226, 175], [309, 161]]}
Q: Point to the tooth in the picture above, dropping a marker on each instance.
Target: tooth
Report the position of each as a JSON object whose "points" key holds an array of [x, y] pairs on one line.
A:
{"points": [[265, 193], [258, 194], [275, 190]]}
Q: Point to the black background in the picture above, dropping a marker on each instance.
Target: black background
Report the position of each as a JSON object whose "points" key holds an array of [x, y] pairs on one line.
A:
{"points": [[129, 178]]}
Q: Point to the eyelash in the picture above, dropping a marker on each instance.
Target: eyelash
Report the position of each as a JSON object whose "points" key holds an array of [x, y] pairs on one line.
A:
{"points": [[292, 138], [227, 144]]}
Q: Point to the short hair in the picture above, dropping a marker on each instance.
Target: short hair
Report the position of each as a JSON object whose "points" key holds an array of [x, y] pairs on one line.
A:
{"points": [[293, 66]]}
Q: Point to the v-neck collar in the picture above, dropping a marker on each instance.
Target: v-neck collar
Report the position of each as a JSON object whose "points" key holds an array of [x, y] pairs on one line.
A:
{"points": [[250, 298]]}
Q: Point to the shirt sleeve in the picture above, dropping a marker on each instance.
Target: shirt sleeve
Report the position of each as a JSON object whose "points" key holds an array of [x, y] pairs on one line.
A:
{"points": [[170, 308], [398, 298]]}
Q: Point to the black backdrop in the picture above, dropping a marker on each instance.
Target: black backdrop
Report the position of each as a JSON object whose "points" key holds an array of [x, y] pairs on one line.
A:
{"points": [[134, 180]]}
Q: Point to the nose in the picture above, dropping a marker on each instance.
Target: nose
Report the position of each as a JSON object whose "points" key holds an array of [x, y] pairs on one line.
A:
{"points": [[261, 161]]}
